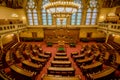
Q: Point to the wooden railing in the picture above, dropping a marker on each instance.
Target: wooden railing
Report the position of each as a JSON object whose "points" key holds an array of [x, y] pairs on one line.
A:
{"points": [[11, 28], [109, 27]]}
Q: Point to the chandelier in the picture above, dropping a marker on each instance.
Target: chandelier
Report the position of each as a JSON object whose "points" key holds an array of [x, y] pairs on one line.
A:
{"points": [[61, 8]]}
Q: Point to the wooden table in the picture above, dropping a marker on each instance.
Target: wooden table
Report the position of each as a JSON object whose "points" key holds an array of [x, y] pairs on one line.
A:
{"points": [[21, 71], [61, 64], [47, 77]]}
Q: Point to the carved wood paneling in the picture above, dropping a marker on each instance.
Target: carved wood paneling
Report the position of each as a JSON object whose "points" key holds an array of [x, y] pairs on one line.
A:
{"points": [[66, 35]]}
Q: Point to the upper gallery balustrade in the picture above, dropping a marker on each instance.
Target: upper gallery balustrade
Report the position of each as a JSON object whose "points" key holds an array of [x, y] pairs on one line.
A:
{"points": [[11, 28], [109, 27]]}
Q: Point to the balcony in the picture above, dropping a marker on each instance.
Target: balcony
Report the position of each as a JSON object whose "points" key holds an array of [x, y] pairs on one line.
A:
{"points": [[62, 26], [109, 27], [11, 28]]}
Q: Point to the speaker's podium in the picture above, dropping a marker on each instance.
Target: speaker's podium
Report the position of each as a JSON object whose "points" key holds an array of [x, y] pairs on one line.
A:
{"points": [[61, 45]]}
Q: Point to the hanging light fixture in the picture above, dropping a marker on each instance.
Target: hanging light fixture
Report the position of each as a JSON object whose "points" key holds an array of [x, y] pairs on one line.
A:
{"points": [[61, 8]]}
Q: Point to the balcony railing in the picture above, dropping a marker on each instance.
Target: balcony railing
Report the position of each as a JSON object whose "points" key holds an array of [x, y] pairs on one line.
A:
{"points": [[63, 26], [11, 28], [109, 27]]}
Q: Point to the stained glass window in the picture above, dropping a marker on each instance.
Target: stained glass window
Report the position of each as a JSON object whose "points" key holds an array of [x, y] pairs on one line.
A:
{"points": [[32, 13], [46, 17], [92, 12], [77, 17]]}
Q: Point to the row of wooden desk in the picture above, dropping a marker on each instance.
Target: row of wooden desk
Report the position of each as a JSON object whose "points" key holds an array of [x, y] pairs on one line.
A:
{"points": [[61, 66], [61, 63], [30, 66], [106, 74], [63, 71], [85, 61], [21, 71], [51, 77]]}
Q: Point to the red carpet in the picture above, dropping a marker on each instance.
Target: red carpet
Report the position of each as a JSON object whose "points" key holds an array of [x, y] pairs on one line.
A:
{"points": [[53, 49]]}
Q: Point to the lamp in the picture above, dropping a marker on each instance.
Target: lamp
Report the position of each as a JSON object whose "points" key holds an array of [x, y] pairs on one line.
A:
{"points": [[61, 8]]}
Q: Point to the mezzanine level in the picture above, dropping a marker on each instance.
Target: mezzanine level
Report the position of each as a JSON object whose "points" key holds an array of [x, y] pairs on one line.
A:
{"points": [[11, 28], [109, 28]]}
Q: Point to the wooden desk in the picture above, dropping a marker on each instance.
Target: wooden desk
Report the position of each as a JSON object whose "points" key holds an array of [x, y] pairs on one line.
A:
{"points": [[107, 54], [102, 74], [19, 55], [21, 71], [74, 54], [96, 64], [31, 64], [47, 77], [87, 60], [61, 49], [61, 58], [61, 64], [43, 55], [48, 53], [38, 59], [117, 58], [9, 58], [61, 54], [61, 43], [82, 56], [64, 71]]}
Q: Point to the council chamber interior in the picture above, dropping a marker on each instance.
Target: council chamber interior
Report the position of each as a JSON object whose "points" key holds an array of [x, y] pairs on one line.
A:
{"points": [[59, 39]]}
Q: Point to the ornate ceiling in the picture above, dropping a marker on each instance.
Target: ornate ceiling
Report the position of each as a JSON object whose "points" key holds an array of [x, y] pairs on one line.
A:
{"points": [[17, 4]]}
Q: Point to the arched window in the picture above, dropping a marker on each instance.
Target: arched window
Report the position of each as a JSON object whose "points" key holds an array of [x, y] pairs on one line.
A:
{"points": [[88, 17], [92, 12], [32, 13], [30, 18], [73, 19], [46, 17], [35, 17], [77, 17]]}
